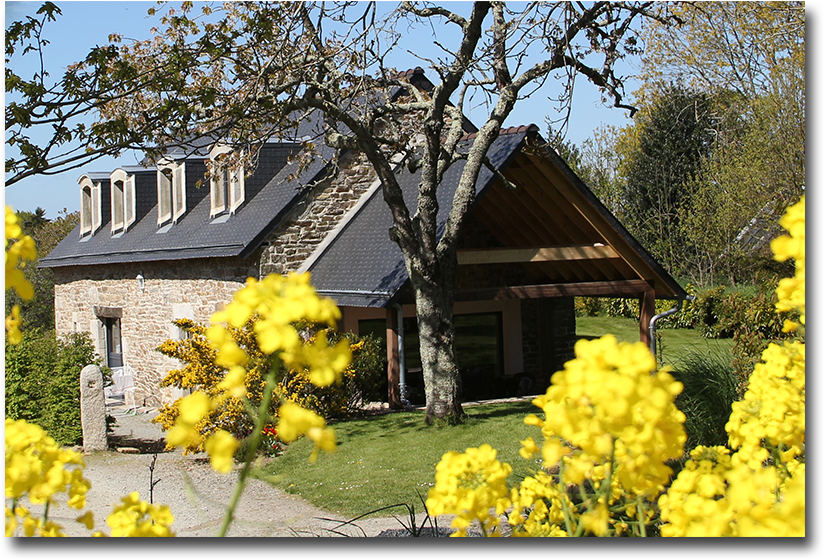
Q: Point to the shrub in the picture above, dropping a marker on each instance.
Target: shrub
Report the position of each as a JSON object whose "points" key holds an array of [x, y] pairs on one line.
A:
{"points": [[201, 372], [43, 381]]}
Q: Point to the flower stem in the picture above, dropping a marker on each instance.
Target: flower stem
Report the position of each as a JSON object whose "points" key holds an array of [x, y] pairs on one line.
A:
{"points": [[642, 520], [254, 443]]}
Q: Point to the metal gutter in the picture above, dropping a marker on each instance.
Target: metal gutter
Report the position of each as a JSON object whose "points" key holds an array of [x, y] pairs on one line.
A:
{"points": [[667, 313]]}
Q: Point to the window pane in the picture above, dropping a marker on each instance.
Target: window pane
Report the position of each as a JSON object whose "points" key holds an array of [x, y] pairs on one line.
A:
{"points": [[86, 209], [478, 342], [179, 185], [165, 194], [117, 194]]}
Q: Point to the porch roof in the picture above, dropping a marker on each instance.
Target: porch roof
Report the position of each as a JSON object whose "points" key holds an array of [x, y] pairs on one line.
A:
{"points": [[551, 233]]}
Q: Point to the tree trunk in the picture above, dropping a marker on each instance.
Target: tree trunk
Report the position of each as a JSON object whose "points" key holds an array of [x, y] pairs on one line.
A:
{"points": [[436, 330]]}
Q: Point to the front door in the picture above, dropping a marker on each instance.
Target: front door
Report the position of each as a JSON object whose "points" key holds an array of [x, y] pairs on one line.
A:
{"points": [[114, 350]]}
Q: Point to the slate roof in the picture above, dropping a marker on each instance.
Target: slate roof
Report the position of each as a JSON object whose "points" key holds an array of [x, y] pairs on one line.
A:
{"points": [[195, 235], [363, 267]]}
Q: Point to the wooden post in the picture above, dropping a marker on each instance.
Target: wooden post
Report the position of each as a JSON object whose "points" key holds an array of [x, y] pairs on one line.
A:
{"points": [[393, 359], [647, 313]]}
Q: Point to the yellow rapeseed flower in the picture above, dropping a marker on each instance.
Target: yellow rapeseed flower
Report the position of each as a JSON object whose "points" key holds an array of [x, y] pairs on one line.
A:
{"points": [[468, 485], [609, 401], [792, 291], [221, 447], [40, 471], [22, 249], [136, 518]]}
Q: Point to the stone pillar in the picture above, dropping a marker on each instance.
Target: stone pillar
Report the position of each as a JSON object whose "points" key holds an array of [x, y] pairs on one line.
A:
{"points": [[93, 409]]}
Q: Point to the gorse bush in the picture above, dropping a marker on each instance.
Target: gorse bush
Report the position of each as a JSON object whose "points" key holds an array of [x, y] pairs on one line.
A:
{"points": [[202, 372]]}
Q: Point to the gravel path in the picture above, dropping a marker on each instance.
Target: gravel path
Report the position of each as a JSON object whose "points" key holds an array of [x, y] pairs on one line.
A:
{"points": [[196, 494]]}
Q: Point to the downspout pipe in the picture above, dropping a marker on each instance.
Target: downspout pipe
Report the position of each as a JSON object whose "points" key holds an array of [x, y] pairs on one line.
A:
{"points": [[401, 357], [667, 313]]}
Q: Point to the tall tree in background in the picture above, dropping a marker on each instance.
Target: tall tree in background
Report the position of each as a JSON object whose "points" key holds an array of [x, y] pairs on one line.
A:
{"points": [[246, 72], [674, 135], [750, 58]]}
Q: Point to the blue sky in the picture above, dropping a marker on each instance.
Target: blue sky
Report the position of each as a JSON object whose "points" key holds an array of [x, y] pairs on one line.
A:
{"points": [[85, 24]]}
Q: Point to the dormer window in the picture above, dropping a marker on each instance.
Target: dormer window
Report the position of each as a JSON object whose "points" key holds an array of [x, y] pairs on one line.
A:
{"points": [[171, 191], [228, 190], [90, 214], [123, 201]]}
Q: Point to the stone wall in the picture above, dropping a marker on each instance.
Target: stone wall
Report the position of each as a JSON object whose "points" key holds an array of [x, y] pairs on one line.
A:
{"points": [[308, 225], [193, 288]]}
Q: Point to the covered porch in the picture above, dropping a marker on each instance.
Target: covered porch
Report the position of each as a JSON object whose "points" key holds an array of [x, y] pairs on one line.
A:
{"points": [[536, 238]]}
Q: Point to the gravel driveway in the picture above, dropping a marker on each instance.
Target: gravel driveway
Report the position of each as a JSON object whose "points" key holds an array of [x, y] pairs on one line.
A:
{"points": [[196, 494]]}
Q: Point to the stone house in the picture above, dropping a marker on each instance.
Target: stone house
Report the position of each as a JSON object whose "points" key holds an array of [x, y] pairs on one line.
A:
{"points": [[158, 243]]}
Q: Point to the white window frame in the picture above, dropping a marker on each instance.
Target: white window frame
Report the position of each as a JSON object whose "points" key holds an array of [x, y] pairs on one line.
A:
{"points": [[177, 191], [228, 186], [90, 215], [123, 192]]}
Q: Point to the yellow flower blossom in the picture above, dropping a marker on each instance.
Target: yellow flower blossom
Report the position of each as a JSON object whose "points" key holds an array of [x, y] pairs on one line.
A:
{"points": [[13, 323], [221, 447], [87, 519], [792, 291], [296, 421], [325, 363], [21, 250], [192, 409], [607, 402], [773, 408], [468, 485], [596, 520], [136, 518], [40, 471], [235, 382]]}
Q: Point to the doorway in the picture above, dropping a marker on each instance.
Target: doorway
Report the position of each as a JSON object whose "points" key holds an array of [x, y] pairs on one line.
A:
{"points": [[114, 347]]}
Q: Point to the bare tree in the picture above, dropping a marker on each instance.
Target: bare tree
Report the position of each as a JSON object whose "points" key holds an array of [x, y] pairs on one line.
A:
{"points": [[247, 72]]}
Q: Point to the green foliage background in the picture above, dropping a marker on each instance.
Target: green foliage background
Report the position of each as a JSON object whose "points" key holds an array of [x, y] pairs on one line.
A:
{"points": [[43, 381]]}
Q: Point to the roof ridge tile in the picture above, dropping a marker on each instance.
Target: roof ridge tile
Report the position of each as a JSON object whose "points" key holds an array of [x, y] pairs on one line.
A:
{"points": [[510, 130]]}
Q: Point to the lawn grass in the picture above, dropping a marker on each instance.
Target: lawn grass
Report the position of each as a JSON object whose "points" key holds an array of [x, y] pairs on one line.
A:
{"points": [[678, 343], [389, 459]]}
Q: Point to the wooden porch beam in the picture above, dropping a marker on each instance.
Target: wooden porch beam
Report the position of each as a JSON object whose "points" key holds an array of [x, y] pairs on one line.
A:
{"points": [[393, 359], [596, 289], [537, 254], [647, 313]]}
